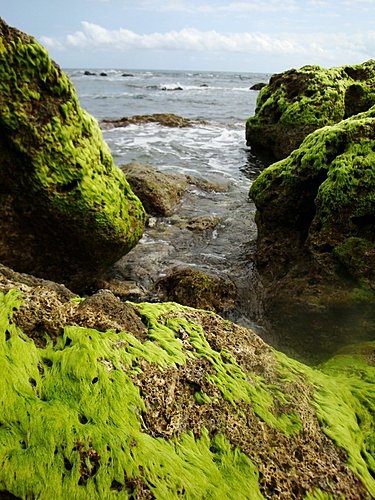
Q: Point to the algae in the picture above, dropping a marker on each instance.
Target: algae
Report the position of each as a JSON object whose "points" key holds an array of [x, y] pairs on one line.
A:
{"points": [[54, 159], [74, 415]]}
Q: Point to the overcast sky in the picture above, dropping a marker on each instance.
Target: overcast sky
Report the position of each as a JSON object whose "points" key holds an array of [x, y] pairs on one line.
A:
{"points": [[249, 35]]}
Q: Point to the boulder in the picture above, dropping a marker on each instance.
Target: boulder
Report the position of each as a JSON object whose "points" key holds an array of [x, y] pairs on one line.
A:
{"points": [[159, 192], [171, 402], [66, 211], [195, 288], [258, 86], [316, 225], [297, 102]]}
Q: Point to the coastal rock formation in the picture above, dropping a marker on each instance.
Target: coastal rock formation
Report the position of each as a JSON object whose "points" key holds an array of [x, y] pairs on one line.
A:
{"points": [[297, 102], [316, 223], [66, 211], [195, 288], [164, 401], [158, 191]]}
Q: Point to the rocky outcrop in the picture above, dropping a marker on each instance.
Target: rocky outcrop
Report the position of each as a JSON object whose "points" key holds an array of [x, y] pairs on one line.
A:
{"points": [[66, 211], [316, 225], [161, 400], [297, 102], [164, 119]]}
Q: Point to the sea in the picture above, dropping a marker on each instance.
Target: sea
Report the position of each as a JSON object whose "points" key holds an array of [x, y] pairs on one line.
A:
{"points": [[216, 149]]}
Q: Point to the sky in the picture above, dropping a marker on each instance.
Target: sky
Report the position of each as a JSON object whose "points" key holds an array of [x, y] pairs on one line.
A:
{"points": [[262, 36]]}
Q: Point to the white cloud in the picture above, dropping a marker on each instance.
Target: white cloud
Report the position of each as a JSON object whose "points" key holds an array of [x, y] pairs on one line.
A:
{"points": [[199, 7], [317, 48]]}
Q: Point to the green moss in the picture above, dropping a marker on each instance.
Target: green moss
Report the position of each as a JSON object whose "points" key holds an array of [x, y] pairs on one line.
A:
{"points": [[71, 422], [297, 102], [57, 156], [234, 384], [345, 405]]}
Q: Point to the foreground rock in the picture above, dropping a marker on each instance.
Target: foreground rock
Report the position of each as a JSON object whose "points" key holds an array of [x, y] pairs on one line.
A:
{"points": [[66, 211], [297, 102], [164, 401], [316, 227]]}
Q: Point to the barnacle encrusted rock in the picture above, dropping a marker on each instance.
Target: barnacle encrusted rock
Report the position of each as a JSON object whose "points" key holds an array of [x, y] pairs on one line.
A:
{"points": [[297, 102], [187, 406], [66, 211]]}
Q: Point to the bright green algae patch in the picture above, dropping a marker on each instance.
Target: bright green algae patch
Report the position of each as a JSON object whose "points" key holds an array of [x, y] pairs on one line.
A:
{"points": [[71, 423], [296, 102], [345, 405], [54, 159], [71, 413]]}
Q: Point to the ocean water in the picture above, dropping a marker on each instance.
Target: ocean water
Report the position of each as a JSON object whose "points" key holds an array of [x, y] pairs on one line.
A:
{"points": [[214, 150]]}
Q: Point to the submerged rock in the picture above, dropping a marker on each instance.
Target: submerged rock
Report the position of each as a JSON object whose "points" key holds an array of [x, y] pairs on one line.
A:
{"points": [[316, 225], [297, 102], [66, 211], [179, 403], [164, 119]]}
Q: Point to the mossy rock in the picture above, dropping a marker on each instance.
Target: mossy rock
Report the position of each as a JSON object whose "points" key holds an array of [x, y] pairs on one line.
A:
{"points": [[297, 102], [316, 221], [186, 406], [195, 288], [67, 212]]}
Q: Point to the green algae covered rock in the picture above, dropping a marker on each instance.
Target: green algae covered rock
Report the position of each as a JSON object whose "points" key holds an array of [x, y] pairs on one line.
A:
{"points": [[66, 211], [297, 102], [190, 406], [316, 225]]}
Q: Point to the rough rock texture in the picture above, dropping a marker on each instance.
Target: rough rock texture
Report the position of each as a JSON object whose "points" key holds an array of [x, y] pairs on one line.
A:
{"points": [[66, 211], [175, 403], [194, 288], [316, 223], [159, 192], [297, 102]]}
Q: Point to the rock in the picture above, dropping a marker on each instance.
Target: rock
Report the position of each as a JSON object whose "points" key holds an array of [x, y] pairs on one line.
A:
{"points": [[178, 403], [258, 86], [66, 211], [89, 73], [159, 192], [199, 223], [297, 102], [127, 74], [195, 288], [164, 119], [103, 74], [316, 226]]}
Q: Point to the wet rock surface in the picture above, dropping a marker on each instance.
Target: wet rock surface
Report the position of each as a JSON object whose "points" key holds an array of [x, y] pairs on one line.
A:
{"points": [[164, 119]]}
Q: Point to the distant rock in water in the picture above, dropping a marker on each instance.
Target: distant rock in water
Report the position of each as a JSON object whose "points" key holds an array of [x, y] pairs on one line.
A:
{"points": [[258, 86], [195, 288], [297, 102], [66, 211], [89, 73], [164, 119], [103, 74], [127, 74]]}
